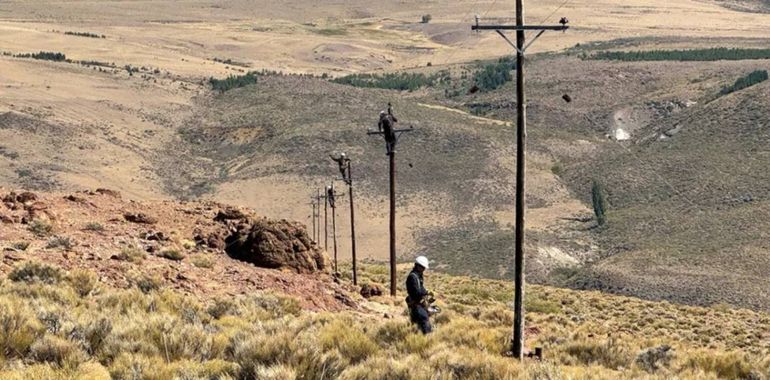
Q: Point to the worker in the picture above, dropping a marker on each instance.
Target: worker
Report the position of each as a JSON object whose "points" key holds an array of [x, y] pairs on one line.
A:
{"points": [[418, 298], [342, 162]]}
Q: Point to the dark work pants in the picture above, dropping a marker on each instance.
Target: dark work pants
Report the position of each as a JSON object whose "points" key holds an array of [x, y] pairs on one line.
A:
{"points": [[419, 316]]}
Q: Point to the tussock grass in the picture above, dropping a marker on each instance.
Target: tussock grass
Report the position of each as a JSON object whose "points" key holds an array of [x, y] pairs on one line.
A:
{"points": [[47, 331]]}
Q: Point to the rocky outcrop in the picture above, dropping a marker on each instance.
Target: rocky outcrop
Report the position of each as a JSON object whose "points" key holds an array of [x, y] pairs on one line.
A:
{"points": [[276, 244], [140, 218]]}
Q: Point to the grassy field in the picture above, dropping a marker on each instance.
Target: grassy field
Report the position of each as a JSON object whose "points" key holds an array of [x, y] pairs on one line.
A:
{"points": [[59, 325]]}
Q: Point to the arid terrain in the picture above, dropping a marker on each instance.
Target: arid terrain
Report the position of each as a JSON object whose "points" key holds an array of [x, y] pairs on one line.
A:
{"points": [[131, 108]]}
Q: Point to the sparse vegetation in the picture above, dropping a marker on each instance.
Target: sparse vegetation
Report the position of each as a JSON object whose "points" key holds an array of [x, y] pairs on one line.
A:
{"points": [[33, 272], [64, 242], [21, 245], [392, 81], [493, 75], [172, 254], [233, 81], [131, 254], [713, 54], [44, 55], [755, 77], [202, 261], [85, 34], [94, 226], [426, 19], [157, 333], [40, 227]]}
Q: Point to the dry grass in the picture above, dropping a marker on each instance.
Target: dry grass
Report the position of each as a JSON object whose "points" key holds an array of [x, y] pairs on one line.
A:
{"points": [[63, 331]]}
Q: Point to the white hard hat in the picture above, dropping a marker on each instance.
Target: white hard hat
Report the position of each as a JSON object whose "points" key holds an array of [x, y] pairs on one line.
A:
{"points": [[423, 261]]}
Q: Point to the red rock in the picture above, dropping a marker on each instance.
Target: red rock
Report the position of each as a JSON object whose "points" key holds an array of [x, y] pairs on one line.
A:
{"points": [[140, 218]]}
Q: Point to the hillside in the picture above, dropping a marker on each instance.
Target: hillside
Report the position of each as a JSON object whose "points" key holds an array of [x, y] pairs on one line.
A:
{"points": [[74, 311]]}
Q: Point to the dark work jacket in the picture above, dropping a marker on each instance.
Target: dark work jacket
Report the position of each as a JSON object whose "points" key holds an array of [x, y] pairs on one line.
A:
{"points": [[415, 288]]}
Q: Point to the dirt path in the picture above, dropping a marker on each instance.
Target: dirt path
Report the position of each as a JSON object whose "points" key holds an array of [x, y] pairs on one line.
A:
{"points": [[466, 114]]}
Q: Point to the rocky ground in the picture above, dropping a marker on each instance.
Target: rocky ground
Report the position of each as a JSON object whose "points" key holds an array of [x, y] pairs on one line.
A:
{"points": [[182, 246]]}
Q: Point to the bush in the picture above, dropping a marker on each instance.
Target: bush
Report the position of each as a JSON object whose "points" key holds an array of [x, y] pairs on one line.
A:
{"points": [[83, 282], [40, 228], [85, 34], [18, 329], [54, 350], [172, 254], [44, 55], [426, 19], [749, 80], [31, 272], [60, 242], [609, 353], [148, 283], [131, 254], [201, 261], [94, 226], [353, 344], [21, 245], [731, 365]]}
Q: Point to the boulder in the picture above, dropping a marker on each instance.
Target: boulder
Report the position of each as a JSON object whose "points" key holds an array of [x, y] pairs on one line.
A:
{"points": [[369, 291], [140, 218], [229, 214], [277, 245], [111, 193]]}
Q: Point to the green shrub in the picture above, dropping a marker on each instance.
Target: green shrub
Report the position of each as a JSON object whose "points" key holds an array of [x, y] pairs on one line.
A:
{"points": [[40, 227], [85, 34], [426, 19], [44, 55], [201, 261], [35, 272]]}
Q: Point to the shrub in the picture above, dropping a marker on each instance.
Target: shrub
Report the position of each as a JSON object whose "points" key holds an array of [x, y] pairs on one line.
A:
{"points": [[426, 19], [52, 349], [35, 272], [222, 307], [44, 55], [83, 282], [653, 359], [21, 245], [201, 261], [131, 254], [94, 226], [18, 329], [755, 77], [353, 344], [147, 283], [609, 353], [85, 34], [172, 254], [40, 227], [731, 365], [61, 242]]}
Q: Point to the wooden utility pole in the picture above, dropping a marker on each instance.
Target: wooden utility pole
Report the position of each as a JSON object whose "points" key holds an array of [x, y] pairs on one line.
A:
{"points": [[331, 198], [352, 223], [313, 203], [517, 346], [388, 130], [326, 222]]}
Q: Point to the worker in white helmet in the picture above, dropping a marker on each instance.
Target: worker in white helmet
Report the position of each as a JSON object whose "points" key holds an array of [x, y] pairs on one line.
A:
{"points": [[418, 295]]}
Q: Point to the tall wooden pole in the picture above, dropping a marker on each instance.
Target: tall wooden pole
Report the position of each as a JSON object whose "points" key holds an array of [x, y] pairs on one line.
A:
{"points": [[521, 137], [334, 229], [318, 216], [313, 217], [326, 223], [352, 223], [392, 155]]}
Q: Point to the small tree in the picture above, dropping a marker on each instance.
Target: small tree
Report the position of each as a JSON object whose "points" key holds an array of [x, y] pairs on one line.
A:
{"points": [[426, 19], [599, 203]]}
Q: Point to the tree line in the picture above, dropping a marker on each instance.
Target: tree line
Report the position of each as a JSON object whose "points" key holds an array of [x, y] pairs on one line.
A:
{"points": [[712, 54]]}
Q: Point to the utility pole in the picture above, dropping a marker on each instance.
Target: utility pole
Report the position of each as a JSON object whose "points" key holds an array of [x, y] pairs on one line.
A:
{"points": [[312, 216], [326, 221], [521, 137], [352, 223], [388, 130], [343, 162], [330, 197]]}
